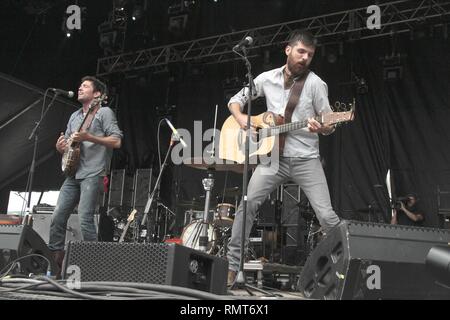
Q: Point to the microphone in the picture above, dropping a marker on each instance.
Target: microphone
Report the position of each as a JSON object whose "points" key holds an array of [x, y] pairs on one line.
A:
{"points": [[68, 94], [247, 41], [175, 132]]}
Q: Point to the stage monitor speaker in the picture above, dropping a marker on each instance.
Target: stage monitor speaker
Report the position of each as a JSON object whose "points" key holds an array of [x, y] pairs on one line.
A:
{"points": [[121, 190], [361, 260], [155, 263], [18, 241], [42, 222], [143, 186]]}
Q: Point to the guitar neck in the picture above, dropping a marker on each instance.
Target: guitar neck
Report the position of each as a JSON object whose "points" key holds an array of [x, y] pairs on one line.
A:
{"points": [[291, 126], [91, 108]]}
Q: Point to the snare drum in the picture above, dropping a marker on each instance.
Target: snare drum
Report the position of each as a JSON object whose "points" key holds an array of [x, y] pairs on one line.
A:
{"points": [[224, 215], [191, 236]]}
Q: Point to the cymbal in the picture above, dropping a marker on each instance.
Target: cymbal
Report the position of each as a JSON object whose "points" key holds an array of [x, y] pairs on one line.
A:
{"points": [[215, 164]]}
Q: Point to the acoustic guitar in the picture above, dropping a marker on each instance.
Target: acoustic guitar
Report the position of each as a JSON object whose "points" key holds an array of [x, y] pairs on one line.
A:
{"points": [[268, 126]]}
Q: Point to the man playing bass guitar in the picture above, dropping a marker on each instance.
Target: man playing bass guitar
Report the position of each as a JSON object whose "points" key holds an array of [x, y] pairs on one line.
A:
{"points": [[92, 132]]}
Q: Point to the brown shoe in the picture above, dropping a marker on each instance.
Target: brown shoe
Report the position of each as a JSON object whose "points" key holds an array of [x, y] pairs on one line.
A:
{"points": [[231, 277]]}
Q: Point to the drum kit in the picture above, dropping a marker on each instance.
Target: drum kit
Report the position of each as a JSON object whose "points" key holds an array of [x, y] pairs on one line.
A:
{"points": [[220, 222], [210, 230], [207, 225]]}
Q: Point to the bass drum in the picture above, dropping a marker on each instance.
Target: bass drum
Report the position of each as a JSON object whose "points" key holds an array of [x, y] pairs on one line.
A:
{"points": [[191, 236]]}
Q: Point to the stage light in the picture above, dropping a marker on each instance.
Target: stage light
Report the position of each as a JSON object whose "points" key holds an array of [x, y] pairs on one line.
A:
{"points": [[120, 4], [137, 13], [67, 33], [393, 66], [177, 24], [108, 40]]}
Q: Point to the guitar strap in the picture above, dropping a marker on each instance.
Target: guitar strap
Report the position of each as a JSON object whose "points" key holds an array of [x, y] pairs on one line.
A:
{"points": [[89, 119], [294, 97]]}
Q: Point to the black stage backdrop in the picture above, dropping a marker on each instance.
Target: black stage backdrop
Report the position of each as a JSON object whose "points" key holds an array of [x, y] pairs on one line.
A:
{"points": [[400, 125]]}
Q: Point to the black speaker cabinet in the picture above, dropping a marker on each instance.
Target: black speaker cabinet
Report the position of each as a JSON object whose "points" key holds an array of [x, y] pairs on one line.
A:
{"points": [[18, 241], [156, 263], [360, 260], [42, 222]]}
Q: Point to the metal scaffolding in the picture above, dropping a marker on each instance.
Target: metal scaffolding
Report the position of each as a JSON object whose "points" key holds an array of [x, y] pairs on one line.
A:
{"points": [[396, 17]]}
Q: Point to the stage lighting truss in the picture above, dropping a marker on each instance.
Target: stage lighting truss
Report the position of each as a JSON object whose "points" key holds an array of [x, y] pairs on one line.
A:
{"points": [[396, 16]]}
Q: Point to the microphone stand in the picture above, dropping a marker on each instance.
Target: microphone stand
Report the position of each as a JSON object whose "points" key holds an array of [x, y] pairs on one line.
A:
{"points": [[145, 219], [240, 279], [35, 134]]}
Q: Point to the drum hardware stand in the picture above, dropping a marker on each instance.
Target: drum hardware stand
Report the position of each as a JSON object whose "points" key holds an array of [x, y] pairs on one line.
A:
{"points": [[167, 212], [145, 219], [279, 225], [208, 185]]}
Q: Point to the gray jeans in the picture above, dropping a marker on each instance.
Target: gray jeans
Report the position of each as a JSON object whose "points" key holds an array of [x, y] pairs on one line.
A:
{"points": [[307, 173], [84, 192]]}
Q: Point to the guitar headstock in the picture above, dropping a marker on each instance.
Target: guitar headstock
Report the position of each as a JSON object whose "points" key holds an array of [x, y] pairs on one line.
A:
{"points": [[340, 117], [98, 101], [132, 214]]}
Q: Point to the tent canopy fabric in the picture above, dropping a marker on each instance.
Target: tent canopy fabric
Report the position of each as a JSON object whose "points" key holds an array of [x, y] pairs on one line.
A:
{"points": [[20, 110]]}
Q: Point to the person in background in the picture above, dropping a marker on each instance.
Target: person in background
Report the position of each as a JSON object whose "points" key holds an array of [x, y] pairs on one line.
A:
{"points": [[406, 212]]}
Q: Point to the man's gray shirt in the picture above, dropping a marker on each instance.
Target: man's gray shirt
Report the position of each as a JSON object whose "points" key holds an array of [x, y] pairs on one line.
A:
{"points": [[313, 101], [94, 158]]}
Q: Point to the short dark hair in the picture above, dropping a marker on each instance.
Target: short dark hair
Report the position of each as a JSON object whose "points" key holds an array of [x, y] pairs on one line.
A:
{"points": [[303, 36], [413, 195], [97, 84]]}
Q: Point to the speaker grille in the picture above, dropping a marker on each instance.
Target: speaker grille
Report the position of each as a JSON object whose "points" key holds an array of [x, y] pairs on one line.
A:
{"points": [[128, 262]]}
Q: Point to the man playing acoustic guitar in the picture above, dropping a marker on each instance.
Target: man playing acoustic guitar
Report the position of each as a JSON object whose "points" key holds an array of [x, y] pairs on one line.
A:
{"points": [[299, 158], [93, 132]]}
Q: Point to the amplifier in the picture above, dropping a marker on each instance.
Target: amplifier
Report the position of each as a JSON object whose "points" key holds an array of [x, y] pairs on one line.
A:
{"points": [[41, 224]]}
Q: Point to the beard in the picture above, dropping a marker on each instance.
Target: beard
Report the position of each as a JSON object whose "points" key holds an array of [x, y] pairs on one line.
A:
{"points": [[296, 68]]}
